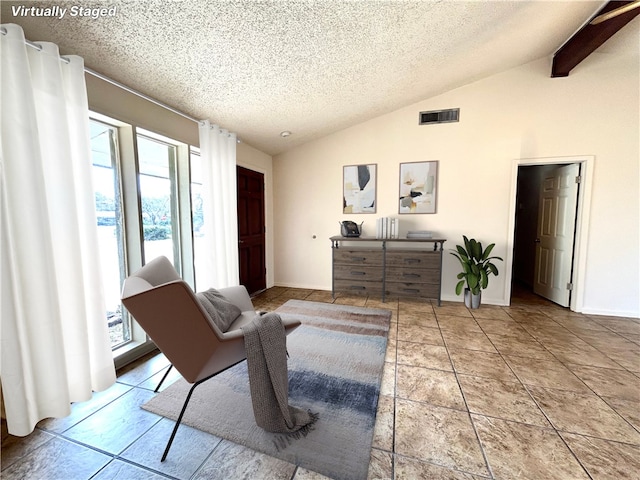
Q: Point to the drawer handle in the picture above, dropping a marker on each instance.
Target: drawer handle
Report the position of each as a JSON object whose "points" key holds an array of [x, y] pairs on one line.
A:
{"points": [[412, 290], [411, 275], [412, 260], [358, 287], [358, 273], [358, 259]]}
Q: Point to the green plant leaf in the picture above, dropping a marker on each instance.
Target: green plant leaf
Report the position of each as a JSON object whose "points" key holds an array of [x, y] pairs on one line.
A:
{"points": [[476, 249], [492, 268], [488, 251], [462, 252], [472, 281], [484, 279], [459, 286]]}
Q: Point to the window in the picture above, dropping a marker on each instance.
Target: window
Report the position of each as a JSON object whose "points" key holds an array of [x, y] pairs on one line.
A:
{"points": [[157, 172], [106, 182]]}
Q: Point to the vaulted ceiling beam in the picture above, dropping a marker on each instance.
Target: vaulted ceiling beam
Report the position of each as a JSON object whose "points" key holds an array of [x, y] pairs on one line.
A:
{"points": [[590, 37]]}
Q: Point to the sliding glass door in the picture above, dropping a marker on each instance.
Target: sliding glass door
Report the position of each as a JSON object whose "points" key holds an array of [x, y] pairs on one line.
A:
{"points": [[108, 198], [148, 203]]}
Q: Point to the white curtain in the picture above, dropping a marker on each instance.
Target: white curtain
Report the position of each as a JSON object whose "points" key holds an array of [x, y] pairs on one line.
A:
{"points": [[219, 208], [54, 341]]}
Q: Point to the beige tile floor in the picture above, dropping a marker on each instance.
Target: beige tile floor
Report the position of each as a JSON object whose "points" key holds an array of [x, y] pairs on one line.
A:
{"points": [[530, 391]]}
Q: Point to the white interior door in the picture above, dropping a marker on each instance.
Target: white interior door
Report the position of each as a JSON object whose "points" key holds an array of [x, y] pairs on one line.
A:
{"points": [[555, 234]]}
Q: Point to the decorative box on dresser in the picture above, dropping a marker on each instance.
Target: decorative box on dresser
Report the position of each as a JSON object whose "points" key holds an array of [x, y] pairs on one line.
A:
{"points": [[383, 268]]}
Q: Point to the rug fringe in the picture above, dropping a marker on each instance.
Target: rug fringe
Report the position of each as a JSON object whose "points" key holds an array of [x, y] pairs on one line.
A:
{"points": [[282, 441]]}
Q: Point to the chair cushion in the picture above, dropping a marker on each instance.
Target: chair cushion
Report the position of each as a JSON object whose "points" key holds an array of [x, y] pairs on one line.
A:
{"points": [[221, 311]]}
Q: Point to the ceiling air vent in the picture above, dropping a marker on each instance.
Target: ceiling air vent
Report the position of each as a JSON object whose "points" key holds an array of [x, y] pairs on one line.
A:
{"points": [[439, 116]]}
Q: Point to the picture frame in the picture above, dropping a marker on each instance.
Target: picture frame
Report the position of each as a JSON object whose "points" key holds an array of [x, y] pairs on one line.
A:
{"points": [[418, 187], [359, 188]]}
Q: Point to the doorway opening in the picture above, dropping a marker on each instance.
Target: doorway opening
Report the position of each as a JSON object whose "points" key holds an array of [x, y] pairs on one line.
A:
{"points": [[550, 204], [251, 230]]}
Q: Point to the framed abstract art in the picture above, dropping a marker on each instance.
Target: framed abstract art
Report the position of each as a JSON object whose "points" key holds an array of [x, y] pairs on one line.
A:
{"points": [[418, 187], [359, 188]]}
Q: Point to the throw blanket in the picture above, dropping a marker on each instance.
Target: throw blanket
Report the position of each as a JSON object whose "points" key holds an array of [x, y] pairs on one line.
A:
{"points": [[266, 346]]}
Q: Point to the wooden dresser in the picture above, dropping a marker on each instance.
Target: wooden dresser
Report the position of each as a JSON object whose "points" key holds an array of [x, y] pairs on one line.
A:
{"points": [[381, 267]]}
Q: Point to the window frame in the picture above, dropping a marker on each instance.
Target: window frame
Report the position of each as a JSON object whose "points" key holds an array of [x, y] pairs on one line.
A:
{"points": [[120, 225]]}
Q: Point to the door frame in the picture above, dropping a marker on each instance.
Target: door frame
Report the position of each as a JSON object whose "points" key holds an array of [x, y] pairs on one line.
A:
{"points": [[587, 165], [268, 219]]}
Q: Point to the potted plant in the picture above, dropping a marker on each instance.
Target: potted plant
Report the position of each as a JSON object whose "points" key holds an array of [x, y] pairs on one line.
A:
{"points": [[476, 267]]}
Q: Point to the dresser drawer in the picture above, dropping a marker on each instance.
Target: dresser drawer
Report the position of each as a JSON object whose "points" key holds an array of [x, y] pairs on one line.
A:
{"points": [[413, 258], [413, 275], [402, 289], [357, 272], [357, 256], [358, 287]]}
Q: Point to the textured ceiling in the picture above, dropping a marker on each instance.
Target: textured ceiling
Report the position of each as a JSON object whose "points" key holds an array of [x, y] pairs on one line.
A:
{"points": [[311, 67]]}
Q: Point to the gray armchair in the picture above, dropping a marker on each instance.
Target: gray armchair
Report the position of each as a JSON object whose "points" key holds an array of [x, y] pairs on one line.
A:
{"points": [[170, 313]]}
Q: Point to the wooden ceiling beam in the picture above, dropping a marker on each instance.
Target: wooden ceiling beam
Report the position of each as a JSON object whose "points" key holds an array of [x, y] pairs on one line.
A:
{"points": [[590, 37]]}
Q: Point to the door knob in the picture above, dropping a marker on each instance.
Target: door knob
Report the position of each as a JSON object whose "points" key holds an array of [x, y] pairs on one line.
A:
{"points": [[537, 240]]}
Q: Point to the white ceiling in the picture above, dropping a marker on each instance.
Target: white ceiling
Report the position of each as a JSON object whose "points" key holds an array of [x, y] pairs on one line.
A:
{"points": [[312, 67]]}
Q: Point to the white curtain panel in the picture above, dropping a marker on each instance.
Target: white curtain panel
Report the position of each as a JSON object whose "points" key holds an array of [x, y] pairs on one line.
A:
{"points": [[220, 207], [55, 345]]}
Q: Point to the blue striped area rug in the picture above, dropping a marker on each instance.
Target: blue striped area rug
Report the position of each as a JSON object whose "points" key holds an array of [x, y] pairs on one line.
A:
{"points": [[335, 369]]}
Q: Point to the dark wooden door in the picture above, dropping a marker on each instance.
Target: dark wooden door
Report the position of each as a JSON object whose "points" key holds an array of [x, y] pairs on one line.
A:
{"points": [[251, 230]]}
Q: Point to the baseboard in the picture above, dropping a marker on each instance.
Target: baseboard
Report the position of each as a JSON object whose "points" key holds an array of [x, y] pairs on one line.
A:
{"points": [[610, 313], [445, 298], [306, 287], [485, 300], [500, 302]]}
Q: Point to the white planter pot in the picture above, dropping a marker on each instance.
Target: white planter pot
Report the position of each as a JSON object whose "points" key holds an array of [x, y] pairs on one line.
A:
{"points": [[470, 300]]}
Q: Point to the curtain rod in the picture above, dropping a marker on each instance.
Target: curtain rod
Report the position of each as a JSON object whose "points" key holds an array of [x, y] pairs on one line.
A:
{"points": [[139, 94], [145, 97], [38, 47], [34, 45]]}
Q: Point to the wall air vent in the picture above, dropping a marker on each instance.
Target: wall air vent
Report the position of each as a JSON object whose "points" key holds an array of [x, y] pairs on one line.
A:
{"points": [[439, 116]]}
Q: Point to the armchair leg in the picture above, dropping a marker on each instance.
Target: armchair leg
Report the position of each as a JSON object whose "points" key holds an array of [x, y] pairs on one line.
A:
{"points": [[175, 427], [184, 407], [164, 377]]}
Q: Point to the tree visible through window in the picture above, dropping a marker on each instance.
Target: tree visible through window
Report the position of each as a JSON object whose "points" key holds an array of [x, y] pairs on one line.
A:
{"points": [[158, 196]]}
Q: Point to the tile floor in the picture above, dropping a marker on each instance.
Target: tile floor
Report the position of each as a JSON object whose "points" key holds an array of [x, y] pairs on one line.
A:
{"points": [[530, 391]]}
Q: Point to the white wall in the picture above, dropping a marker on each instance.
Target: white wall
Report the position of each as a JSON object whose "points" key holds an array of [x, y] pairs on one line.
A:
{"points": [[522, 113]]}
